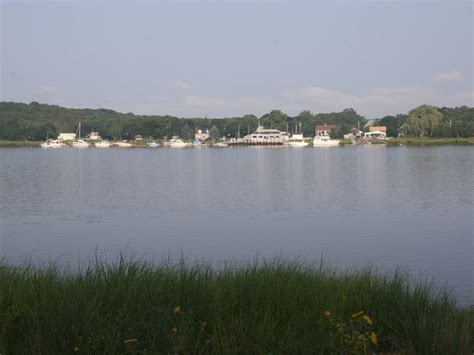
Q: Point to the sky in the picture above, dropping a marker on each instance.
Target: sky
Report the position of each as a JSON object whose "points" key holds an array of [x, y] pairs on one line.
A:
{"points": [[222, 59]]}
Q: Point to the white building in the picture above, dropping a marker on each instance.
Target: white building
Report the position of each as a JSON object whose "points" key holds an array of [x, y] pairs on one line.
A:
{"points": [[67, 136], [266, 136], [94, 136], [375, 134]]}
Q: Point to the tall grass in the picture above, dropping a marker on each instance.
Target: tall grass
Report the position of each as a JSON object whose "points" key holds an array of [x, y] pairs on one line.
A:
{"points": [[265, 308]]}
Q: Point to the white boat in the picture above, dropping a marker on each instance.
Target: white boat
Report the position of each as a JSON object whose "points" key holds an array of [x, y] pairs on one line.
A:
{"points": [[153, 144], [297, 143], [221, 145], [79, 143], [324, 140], [297, 139], [176, 142], [265, 136], [102, 144], [52, 143], [123, 144]]}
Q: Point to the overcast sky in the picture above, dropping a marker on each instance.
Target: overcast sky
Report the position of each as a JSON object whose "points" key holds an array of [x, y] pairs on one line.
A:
{"points": [[209, 59]]}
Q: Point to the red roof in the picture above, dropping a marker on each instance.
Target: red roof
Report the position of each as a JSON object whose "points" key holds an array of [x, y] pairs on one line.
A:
{"points": [[325, 127]]}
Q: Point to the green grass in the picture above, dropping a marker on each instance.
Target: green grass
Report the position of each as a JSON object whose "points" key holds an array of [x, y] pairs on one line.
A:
{"points": [[428, 141], [4, 143], [266, 308]]}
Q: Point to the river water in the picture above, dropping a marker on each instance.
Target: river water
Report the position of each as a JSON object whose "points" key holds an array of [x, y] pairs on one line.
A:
{"points": [[409, 207]]}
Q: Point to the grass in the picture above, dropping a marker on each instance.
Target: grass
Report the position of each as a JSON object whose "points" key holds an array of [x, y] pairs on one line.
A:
{"points": [[5, 143], [428, 141], [265, 308]]}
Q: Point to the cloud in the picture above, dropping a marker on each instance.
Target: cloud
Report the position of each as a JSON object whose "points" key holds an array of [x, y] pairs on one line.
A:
{"points": [[180, 85], [448, 77]]}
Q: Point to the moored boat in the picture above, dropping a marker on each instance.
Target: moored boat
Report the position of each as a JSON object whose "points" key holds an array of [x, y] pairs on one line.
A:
{"points": [[176, 142], [324, 140], [52, 143], [153, 145], [102, 144], [79, 143]]}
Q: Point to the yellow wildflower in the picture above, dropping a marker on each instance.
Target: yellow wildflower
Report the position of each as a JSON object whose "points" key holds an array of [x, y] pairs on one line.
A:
{"points": [[204, 324], [177, 310], [131, 341], [76, 349], [357, 314], [174, 330], [373, 338], [327, 313], [367, 319]]}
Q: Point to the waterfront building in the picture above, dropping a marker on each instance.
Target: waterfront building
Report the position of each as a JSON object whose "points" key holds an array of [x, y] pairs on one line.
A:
{"points": [[266, 136], [67, 136], [201, 136], [324, 129], [94, 136]]}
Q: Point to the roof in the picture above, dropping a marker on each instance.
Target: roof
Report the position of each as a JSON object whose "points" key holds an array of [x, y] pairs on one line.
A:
{"points": [[325, 127], [378, 128]]}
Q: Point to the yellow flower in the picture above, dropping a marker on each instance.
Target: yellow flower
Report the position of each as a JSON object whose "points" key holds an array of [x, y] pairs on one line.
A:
{"points": [[367, 319], [373, 338], [327, 313], [174, 330], [204, 324], [76, 349], [130, 341], [177, 310], [357, 314]]}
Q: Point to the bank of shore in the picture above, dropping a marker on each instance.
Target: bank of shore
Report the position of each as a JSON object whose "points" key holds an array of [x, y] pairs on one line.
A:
{"points": [[274, 307]]}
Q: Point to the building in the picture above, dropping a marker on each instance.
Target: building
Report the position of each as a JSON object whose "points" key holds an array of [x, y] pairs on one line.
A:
{"points": [[67, 136], [324, 129], [375, 134], [265, 136], [94, 136], [378, 128], [201, 136], [138, 137]]}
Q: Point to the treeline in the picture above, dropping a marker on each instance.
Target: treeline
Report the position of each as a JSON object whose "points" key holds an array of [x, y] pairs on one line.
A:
{"points": [[35, 121]]}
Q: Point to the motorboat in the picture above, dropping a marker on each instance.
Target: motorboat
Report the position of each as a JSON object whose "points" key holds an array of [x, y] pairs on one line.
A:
{"points": [[176, 142], [123, 144], [197, 143], [324, 140], [297, 139], [102, 144], [52, 143], [153, 145]]}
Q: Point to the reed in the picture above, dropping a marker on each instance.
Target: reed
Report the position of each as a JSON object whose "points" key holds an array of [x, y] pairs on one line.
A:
{"points": [[277, 306]]}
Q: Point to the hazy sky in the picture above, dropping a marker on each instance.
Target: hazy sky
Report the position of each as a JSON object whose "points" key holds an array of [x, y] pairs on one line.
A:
{"points": [[224, 59]]}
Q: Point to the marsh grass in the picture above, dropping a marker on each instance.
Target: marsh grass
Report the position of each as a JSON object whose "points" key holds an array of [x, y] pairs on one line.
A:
{"points": [[265, 307]]}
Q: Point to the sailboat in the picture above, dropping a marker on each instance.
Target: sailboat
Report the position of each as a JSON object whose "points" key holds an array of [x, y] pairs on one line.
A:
{"points": [[79, 143]]}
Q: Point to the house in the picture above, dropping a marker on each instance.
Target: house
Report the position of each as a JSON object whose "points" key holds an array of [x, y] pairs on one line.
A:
{"points": [[324, 129], [375, 134], [201, 136], [67, 136], [378, 128], [138, 137], [94, 136]]}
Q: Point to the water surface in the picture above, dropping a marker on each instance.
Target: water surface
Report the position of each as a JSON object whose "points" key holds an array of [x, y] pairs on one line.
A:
{"points": [[390, 206]]}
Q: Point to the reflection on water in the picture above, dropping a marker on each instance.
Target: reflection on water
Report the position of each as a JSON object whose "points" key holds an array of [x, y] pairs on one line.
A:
{"points": [[391, 206]]}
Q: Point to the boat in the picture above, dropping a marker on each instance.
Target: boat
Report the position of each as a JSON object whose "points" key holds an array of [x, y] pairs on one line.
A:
{"points": [[324, 140], [102, 144], [79, 143], [52, 143], [153, 144], [264, 136], [221, 145], [123, 144], [297, 139], [176, 142], [197, 143]]}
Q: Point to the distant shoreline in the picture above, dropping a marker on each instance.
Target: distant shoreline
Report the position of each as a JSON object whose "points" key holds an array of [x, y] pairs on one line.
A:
{"points": [[345, 142]]}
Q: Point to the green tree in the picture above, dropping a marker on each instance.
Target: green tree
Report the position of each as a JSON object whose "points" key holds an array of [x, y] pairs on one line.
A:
{"points": [[214, 133], [422, 121]]}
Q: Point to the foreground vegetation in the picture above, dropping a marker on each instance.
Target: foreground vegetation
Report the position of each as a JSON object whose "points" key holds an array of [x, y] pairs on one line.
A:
{"points": [[276, 307]]}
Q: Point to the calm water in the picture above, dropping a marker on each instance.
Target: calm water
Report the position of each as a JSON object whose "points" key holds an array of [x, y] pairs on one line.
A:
{"points": [[399, 206]]}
